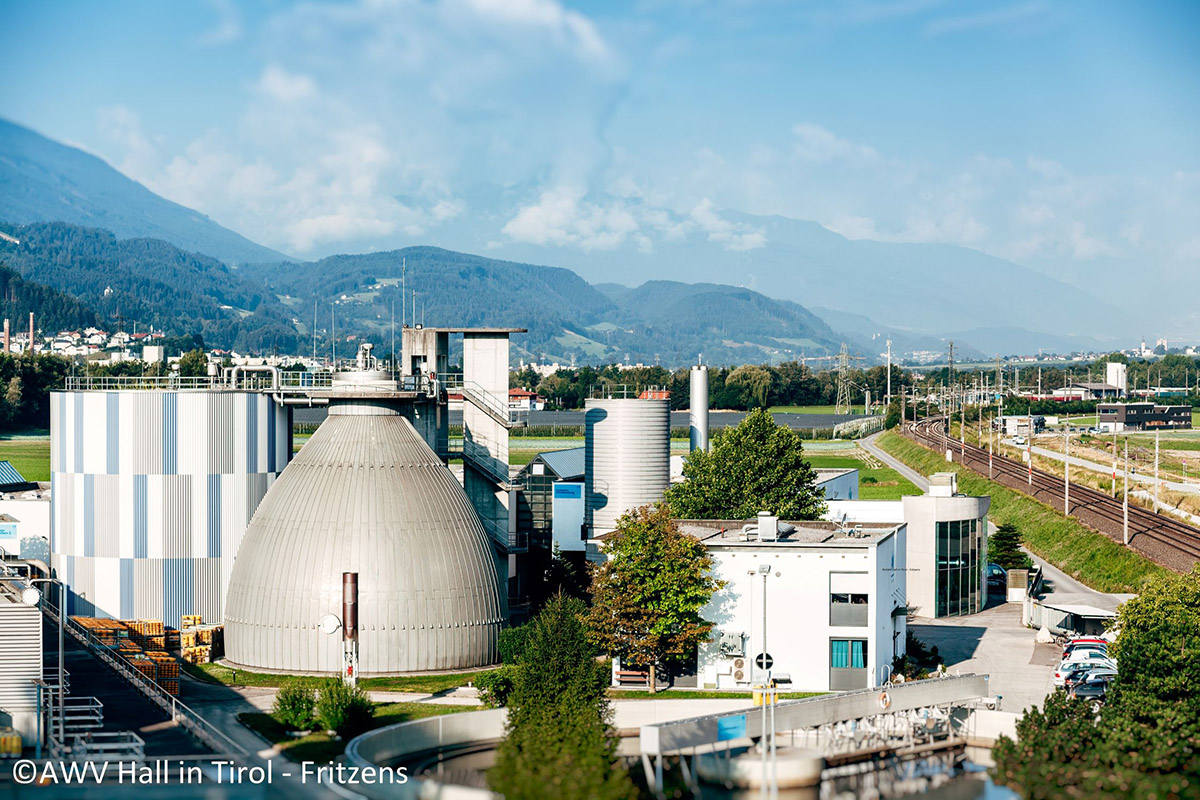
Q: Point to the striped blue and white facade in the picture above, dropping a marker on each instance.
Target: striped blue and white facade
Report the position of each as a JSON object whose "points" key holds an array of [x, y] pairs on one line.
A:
{"points": [[152, 491]]}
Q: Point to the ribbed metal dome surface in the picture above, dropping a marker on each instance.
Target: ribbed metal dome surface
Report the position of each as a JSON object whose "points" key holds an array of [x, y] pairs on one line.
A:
{"points": [[366, 494]]}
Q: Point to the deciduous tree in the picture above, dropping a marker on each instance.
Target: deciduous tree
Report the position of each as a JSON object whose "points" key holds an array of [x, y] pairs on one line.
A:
{"points": [[648, 594], [757, 466]]}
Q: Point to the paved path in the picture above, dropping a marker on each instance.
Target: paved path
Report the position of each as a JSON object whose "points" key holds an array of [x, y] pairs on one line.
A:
{"points": [[1059, 587], [995, 643], [1107, 469], [919, 480]]}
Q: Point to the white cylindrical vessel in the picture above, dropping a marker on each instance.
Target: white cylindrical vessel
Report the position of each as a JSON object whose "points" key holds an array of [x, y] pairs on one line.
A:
{"points": [[698, 408], [627, 458], [153, 490]]}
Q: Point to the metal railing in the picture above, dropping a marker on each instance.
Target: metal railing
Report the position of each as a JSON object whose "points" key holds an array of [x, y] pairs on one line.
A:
{"points": [[195, 724], [108, 746], [80, 714], [486, 401]]}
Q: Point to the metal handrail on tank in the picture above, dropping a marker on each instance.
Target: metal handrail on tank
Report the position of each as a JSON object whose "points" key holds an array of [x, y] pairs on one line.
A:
{"points": [[627, 391]]}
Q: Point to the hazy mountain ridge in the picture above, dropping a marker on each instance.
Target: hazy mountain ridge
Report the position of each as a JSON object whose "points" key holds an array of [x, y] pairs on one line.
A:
{"points": [[662, 320], [42, 180]]}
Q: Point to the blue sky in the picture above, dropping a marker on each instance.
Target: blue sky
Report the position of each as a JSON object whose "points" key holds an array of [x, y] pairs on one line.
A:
{"points": [[1063, 135]]}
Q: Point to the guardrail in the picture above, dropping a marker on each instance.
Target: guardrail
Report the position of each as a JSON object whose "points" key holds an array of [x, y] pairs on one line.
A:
{"points": [[195, 724]]}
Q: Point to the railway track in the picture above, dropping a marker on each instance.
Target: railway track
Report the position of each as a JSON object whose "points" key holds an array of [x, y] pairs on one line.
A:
{"points": [[1166, 541]]}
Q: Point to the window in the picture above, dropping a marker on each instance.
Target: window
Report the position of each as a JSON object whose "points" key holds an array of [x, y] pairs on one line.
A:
{"points": [[848, 609], [847, 664], [960, 558]]}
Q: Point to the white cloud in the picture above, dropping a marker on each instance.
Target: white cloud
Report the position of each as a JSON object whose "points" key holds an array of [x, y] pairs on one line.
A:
{"points": [[572, 28], [1005, 17], [228, 27], [561, 217], [815, 143], [123, 128], [277, 83], [1086, 247], [732, 236]]}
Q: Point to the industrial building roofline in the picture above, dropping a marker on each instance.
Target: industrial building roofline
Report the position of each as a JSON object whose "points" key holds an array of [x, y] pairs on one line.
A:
{"points": [[470, 330], [823, 533]]}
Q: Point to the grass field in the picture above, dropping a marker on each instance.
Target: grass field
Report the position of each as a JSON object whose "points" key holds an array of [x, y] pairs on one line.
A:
{"points": [[1091, 557], [814, 409], [427, 684], [30, 456], [873, 484]]}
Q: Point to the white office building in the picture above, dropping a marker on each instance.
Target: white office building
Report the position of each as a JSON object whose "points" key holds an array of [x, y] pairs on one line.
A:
{"points": [[823, 602], [946, 544]]}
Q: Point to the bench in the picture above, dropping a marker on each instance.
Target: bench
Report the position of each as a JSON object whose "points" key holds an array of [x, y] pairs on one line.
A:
{"points": [[632, 677]]}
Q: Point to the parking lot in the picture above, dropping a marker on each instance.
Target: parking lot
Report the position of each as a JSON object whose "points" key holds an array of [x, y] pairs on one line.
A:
{"points": [[995, 643]]}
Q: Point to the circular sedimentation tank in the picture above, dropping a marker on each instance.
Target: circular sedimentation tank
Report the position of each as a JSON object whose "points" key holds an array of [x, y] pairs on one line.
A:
{"points": [[366, 494]]}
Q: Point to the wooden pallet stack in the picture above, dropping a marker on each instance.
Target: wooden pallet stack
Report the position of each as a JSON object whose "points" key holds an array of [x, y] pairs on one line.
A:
{"points": [[105, 632]]}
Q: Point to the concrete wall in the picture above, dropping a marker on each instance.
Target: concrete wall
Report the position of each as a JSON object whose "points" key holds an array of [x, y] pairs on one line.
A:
{"points": [[922, 513], [839, 487]]}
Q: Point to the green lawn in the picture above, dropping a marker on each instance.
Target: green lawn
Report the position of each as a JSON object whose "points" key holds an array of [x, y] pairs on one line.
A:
{"points": [[430, 684], [873, 484], [1090, 557], [321, 747], [30, 456]]}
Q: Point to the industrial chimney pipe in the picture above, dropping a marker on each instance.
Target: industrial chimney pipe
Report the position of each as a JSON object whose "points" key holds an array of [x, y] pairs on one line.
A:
{"points": [[350, 628], [698, 408]]}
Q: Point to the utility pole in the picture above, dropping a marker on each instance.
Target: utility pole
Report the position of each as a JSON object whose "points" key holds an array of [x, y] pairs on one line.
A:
{"points": [[889, 372], [1067, 469], [1114, 480], [1039, 381], [1156, 472], [1125, 502], [1029, 446], [991, 436]]}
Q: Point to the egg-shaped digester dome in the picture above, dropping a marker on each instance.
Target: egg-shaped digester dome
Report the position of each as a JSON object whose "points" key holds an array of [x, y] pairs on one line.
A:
{"points": [[366, 494]]}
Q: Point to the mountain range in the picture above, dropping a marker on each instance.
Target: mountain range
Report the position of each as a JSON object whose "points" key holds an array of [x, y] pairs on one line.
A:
{"points": [[126, 252], [42, 180]]}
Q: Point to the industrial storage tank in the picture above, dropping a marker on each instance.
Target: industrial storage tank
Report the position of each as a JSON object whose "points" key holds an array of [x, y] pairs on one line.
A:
{"points": [[152, 490], [627, 458], [365, 494]]}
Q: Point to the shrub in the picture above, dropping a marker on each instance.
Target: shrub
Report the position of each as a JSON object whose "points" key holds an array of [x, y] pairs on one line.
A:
{"points": [[495, 686], [511, 643], [343, 708], [294, 705]]}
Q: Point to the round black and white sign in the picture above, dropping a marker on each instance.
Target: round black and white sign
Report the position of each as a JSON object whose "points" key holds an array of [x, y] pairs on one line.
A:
{"points": [[763, 661]]}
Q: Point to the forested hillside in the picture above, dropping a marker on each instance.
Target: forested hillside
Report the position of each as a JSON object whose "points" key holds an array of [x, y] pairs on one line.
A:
{"points": [[53, 310], [664, 321], [149, 282]]}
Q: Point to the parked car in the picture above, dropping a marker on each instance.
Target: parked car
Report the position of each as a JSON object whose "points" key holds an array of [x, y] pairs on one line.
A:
{"points": [[1104, 673], [1085, 653], [1018, 440], [1084, 643], [997, 579], [1090, 690], [1077, 677], [1069, 668]]}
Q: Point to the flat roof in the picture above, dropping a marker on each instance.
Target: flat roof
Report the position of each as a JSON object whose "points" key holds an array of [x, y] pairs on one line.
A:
{"points": [[468, 330], [802, 533], [834, 472]]}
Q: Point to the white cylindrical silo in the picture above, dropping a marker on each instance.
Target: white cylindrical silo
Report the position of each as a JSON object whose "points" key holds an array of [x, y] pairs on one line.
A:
{"points": [[698, 408], [153, 490], [627, 458]]}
